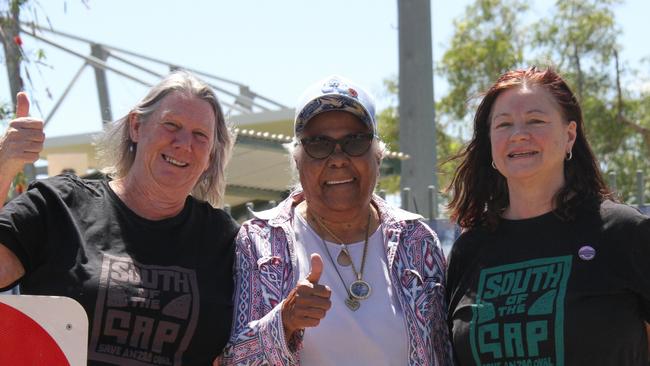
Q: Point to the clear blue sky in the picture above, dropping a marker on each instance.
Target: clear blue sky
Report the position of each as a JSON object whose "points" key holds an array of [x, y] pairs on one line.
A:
{"points": [[275, 47]]}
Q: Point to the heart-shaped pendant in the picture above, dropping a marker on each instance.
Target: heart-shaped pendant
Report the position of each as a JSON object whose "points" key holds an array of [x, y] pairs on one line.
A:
{"points": [[343, 259], [352, 303]]}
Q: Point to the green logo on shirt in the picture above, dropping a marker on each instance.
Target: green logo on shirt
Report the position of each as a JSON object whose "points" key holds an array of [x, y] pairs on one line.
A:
{"points": [[519, 313]]}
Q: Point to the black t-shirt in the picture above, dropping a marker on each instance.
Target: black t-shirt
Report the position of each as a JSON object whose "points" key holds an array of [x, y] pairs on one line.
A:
{"points": [[156, 292], [544, 291]]}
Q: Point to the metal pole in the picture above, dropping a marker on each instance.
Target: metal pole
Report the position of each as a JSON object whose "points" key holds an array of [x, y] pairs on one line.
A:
{"points": [[406, 198], [417, 134], [97, 51], [249, 210], [93, 61], [639, 189], [65, 94], [433, 203]]}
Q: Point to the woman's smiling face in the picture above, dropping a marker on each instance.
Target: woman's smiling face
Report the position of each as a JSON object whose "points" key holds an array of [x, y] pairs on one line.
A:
{"points": [[174, 143], [339, 182], [530, 138]]}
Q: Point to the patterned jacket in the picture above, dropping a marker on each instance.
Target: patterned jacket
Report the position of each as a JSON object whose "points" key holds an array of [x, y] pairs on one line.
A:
{"points": [[264, 276]]}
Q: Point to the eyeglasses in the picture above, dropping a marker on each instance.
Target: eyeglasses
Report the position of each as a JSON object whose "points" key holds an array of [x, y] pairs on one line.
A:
{"points": [[321, 147]]}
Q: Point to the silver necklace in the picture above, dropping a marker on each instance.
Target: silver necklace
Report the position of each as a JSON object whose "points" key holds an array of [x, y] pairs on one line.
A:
{"points": [[344, 258], [358, 289]]}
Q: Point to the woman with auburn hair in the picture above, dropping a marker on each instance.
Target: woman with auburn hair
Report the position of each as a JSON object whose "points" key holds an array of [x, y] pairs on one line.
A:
{"points": [[549, 269]]}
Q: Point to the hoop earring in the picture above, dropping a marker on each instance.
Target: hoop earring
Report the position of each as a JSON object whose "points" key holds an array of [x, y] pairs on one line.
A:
{"points": [[494, 166], [569, 155]]}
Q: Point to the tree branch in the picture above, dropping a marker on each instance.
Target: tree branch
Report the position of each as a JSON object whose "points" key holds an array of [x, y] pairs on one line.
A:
{"points": [[644, 131], [621, 118]]}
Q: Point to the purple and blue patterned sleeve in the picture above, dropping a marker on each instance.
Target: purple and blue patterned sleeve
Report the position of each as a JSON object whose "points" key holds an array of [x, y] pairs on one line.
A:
{"points": [[441, 338], [257, 336], [421, 266]]}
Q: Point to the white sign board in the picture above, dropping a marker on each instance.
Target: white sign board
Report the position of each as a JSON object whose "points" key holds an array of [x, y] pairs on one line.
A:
{"points": [[42, 330]]}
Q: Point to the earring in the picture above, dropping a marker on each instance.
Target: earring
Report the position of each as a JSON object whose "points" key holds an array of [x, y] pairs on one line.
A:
{"points": [[569, 155], [132, 147], [494, 166]]}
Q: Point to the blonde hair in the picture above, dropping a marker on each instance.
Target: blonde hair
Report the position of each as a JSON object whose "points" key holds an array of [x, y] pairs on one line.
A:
{"points": [[117, 151]]}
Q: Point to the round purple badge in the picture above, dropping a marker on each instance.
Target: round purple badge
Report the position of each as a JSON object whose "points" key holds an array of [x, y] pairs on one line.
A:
{"points": [[586, 253]]}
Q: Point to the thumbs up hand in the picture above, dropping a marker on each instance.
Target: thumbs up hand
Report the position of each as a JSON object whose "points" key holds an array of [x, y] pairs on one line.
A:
{"points": [[22, 141], [316, 269], [308, 302]]}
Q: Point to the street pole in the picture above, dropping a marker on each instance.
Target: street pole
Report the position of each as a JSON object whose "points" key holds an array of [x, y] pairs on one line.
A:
{"points": [[417, 133]]}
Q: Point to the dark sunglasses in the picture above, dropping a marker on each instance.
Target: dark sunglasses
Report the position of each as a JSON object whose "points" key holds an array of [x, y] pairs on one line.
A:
{"points": [[321, 147]]}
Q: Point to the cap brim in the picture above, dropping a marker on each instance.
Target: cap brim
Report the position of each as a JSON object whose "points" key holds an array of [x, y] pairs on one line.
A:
{"points": [[332, 102]]}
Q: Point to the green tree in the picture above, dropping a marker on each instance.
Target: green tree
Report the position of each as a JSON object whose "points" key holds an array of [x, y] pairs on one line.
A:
{"points": [[581, 38], [486, 42], [388, 128], [10, 38]]}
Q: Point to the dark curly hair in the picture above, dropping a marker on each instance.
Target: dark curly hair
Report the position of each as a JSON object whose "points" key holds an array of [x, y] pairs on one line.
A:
{"points": [[480, 193]]}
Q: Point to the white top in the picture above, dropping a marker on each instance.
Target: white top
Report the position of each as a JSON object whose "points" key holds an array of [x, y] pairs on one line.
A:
{"points": [[375, 334]]}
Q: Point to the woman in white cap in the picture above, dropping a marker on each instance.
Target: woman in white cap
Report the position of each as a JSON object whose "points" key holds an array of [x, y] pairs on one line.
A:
{"points": [[334, 275]]}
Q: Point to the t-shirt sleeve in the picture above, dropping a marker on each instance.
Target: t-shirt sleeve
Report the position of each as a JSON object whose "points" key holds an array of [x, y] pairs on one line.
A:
{"points": [[641, 258], [630, 230], [26, 220], [455, 264], [231, 228]]}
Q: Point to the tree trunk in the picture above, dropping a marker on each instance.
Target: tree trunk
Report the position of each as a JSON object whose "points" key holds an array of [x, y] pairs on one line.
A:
{"points": [[620, 114], [13, 57], [579, 76], [10, 37]]}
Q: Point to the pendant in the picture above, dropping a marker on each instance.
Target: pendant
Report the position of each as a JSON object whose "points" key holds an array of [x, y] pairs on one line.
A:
{"points": [[352, 303], [360, 289], [343, 259]]}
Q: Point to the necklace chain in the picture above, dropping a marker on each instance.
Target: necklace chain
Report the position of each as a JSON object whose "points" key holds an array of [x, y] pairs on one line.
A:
{"points": [[345, 253], [359, 274], [354, 295]]}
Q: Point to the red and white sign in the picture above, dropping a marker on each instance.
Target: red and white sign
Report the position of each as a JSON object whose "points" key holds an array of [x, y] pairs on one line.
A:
{"points": [[42, 330]]}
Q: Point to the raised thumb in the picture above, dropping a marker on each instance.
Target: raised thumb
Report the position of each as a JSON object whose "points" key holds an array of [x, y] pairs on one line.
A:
{"points": [[22, 105], [316, 268]]}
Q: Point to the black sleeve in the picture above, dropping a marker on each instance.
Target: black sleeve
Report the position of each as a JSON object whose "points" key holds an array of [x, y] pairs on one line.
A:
{"points": [[452, 269], [232, 228], [27, 220], [458, 259], [641, 264], [628, 229], [457, 263]]}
